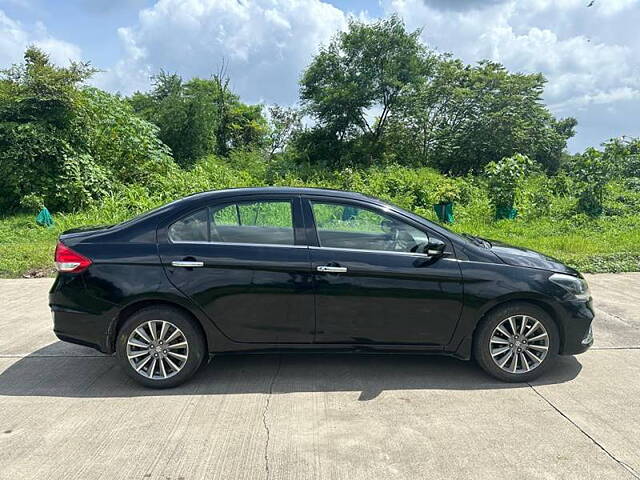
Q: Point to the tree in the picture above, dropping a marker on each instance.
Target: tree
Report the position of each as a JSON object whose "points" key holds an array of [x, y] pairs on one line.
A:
{"points": [[355, 84], [591, 170], [623, 154], [200, 117], [285, 123], [64, 144], [40, 138], [467, 116]]}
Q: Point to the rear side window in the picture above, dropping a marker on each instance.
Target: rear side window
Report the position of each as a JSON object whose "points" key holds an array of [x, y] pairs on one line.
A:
{"points": [[262, 222], [192, 228]]}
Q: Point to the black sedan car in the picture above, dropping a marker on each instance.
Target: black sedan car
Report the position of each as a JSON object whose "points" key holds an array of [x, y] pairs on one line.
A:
{"points": [[288, 269]]}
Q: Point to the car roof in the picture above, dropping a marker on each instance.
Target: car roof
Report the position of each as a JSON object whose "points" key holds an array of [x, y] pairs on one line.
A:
{"points": [[195, 200], [280, 190]]}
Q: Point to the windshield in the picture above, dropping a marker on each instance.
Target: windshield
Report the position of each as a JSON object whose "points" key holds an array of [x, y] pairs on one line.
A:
{"points": [[415, 216]]}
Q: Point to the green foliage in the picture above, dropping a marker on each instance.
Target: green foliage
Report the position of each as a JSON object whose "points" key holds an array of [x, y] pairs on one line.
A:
{"points": [[125, 145], [623, 156], [200, 117], [32, 202], [504, 177], [607, 243], [463, 117], [591, 171], [431, 109], [67, 145], [286, 123], [448, 191], [104, 159], [40, 132], [371, 65]]}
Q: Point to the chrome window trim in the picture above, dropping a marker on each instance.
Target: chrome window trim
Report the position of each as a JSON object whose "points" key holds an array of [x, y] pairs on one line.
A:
{"points": [[413, 254], [237, 244]]}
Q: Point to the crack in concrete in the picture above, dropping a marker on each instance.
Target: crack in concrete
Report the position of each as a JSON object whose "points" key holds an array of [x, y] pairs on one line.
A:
{"points": [[264, 418], [624, 465], [631, 347], [31, 355]]}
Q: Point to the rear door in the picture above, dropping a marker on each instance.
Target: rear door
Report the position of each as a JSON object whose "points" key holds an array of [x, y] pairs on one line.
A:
{"points": [[244, 262], [371, 288]]}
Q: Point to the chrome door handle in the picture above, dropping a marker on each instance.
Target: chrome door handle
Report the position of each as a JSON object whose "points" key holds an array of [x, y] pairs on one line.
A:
{"points": [[187, 264], [329, 269]]}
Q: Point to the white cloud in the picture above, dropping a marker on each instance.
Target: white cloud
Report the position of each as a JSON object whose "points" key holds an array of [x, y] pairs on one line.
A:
{"points": [[15, 38], [588, 54], [266, 43]]}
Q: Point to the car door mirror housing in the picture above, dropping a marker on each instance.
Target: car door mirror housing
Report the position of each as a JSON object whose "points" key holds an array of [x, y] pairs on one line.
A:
{"points": [[434, 248]]}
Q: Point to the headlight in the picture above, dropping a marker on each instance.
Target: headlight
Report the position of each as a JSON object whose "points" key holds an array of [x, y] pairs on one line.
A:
{"points": [[574, 285]]}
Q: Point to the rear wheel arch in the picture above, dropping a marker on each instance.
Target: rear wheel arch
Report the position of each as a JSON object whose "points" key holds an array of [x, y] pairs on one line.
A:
{"points": [[135, 307]]}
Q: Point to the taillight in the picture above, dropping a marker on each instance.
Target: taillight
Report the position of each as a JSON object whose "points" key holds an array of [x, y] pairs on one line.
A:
{"points": [[68, 261]]}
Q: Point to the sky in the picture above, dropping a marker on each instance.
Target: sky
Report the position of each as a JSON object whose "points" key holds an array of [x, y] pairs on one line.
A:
{"points": [[588, 50]]}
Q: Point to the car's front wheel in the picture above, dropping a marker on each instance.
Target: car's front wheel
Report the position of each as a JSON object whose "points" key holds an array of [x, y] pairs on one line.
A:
{"points": [[160, 347], [516, 343]]}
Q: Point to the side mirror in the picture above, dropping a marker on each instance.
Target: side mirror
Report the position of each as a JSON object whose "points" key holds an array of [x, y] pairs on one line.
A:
{"points": [[435, 247]]}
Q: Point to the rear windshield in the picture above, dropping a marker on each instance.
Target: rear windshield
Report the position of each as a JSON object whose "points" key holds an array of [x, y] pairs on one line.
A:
{"points": [[147, 214]]}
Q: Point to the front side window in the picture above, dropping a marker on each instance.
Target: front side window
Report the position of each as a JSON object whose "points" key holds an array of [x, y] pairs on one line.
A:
{"points": [[350, 226], [263, 222]]}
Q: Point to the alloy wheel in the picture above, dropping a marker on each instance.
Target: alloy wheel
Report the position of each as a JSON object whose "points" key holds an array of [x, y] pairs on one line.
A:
{"points": [[519, 344], [157, 349]]}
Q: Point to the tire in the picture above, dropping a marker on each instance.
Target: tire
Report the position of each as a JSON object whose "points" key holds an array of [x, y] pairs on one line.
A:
{"points": [[535, 340], [170, 357]]}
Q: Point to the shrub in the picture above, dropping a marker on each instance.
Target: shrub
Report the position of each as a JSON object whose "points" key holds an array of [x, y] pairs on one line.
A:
{"points": [[591, 171], [447, 191], [503, 179]]}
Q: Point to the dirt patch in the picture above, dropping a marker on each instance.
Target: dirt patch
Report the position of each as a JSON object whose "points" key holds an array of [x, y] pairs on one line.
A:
{"points": [[39, 272]]}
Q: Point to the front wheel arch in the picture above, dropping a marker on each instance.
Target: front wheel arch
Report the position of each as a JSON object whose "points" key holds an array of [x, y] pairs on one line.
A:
{"points": [[494, 316], [532, 301]]}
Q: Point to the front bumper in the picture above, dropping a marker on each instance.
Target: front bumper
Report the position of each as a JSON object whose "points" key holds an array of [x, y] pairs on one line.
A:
{"points": [[576, 329]]}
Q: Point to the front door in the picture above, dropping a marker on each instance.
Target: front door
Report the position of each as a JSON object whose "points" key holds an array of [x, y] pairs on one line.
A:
{"points": [[370, 287], [246, 268]]}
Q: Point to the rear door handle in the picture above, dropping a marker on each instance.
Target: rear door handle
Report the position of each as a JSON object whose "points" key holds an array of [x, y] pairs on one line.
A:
{"points": [[187, 263], [330, 269]]}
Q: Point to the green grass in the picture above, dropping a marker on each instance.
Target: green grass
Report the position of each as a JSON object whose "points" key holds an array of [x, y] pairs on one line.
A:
{"points": [[28, 248], [606, 244], [548, 220]]}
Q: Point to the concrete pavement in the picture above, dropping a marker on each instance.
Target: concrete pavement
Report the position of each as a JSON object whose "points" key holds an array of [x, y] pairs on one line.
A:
{"points": [[67, 412]]}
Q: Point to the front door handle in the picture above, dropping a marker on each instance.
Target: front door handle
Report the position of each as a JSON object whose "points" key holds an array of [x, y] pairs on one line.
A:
{"points": [[330, 269], [187, 263]]}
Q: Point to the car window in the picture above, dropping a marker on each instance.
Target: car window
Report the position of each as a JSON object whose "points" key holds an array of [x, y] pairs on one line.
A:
{"points": [[192, 228], [263, 222], [350, 226]]}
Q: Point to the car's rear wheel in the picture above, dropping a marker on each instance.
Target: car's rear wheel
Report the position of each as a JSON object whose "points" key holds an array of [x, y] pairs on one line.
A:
{"points": [[516, 343], [160, 347]]}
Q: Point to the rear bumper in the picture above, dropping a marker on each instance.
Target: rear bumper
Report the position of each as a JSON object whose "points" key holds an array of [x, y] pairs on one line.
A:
{"points": [[79, 317], [576, 331], [81, 328]]}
